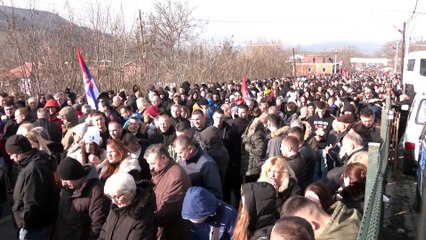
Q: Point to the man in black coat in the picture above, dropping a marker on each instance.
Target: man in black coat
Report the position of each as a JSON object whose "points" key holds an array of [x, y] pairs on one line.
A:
{"points": [[83, 207], [166, 133], [137, 151], [35, 197], [55, 132], [233, 178]]}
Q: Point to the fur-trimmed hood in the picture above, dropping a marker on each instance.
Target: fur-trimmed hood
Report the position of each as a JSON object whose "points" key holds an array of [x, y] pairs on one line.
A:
{"points": [[253, 126], [144, 199], [279, 131], [308, 130]]}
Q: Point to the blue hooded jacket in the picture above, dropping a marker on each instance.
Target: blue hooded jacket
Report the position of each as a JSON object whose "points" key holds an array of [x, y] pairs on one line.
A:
{"points": [[221, 217]]}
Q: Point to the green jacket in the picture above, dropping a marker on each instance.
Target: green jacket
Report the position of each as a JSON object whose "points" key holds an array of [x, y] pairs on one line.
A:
{"points": [[343, 225]]}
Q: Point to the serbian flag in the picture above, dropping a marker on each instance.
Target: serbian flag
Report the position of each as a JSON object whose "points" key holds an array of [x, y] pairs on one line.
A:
{"points": [[92, 92], [244, 89]]}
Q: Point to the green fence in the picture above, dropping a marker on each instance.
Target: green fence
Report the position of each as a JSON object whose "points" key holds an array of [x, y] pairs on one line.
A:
{"points": [[372, 220]]}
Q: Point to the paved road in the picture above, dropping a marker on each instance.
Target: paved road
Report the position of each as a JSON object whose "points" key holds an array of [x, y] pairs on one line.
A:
{"points": [[400, 219]]}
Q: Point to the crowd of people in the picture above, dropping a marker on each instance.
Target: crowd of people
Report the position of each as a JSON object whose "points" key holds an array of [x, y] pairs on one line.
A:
{"points": [[282, 159]]}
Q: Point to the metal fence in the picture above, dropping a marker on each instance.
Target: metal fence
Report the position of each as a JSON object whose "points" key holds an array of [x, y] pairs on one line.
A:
{"points": [[372, 220]]}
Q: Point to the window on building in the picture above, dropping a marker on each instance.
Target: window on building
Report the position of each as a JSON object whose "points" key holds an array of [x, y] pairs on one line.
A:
{"points": [[410, 64]]}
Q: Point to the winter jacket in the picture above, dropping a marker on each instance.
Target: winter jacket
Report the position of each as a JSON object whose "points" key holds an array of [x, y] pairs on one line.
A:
{"points": [[253, 148], [82, 211], [344, 223], [289, 117], [203, 172], [260, 202], [297, 164], [221, 219], [171, 183], [55, 132], [309, 137], [35, 197], [321, 125], [238, 127], [70, 115], [292, 189], [165, 138], [310, 157], [134, 221], [274, 140], [128, 165], [211, 140]]}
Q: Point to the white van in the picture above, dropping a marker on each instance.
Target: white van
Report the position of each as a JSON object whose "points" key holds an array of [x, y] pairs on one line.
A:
{"points": [[416, 121], [415, 71]]}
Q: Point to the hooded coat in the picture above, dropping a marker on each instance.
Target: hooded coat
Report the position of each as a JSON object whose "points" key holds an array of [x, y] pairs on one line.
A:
{"points": [[211, 139], [134, 221], [221, 217], [344, 223], [70, 115], [82, 211], [274, 140], [35, 197], [260, 202], [253, 148]]}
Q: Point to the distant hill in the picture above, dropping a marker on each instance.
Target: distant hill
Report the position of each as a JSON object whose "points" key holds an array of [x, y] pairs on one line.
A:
{"points": [[25, 18]]}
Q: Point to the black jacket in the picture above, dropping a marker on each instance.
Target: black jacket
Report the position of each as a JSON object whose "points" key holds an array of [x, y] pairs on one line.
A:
{"points": [[297, 164], [133, 222], [35, 195], [260, 200], [292, 190], [165, 138], [55, 132], [82, 211]]}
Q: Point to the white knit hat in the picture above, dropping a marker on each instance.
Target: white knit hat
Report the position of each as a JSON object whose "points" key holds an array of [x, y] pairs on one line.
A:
{"points": [[92, 135]]}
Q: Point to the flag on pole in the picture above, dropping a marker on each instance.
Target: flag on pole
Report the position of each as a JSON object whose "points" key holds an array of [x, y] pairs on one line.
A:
{"points": [[90, 88], [244, 89], [399, 30]]}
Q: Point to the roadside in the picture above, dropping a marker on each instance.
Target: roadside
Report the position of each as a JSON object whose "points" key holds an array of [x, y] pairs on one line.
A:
{"points": [[400, 219]]}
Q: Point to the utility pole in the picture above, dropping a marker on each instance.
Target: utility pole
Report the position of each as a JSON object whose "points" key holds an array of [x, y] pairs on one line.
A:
{"points": [[396, 57], [144, 61], [403, 49], [335, 62], [294, 64]]}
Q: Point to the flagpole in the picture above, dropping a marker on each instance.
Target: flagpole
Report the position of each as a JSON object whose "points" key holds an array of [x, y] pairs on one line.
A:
{"points": [[396, 57]]}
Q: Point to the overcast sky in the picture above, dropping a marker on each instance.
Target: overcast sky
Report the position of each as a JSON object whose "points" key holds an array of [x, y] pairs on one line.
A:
{"points": [[293, 22]]}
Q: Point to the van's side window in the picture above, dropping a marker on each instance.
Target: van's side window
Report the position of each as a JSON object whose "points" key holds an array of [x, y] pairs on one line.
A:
{"points": [[423, 67], [410, 64], [421, 113]]}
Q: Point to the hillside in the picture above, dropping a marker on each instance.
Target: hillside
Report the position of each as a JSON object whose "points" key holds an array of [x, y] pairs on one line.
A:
{"points": [[26, 18]]}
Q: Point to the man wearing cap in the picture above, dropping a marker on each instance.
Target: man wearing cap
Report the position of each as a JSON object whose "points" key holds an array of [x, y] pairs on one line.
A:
{"points": [[35, 196], [83, 207]]}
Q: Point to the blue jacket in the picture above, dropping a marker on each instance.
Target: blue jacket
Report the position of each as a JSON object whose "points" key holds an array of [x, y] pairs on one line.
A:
{"points": [[199, 203], [203, 172]]}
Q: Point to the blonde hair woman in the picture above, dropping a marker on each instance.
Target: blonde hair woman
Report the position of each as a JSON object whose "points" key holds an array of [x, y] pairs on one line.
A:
{"points": [[277, 172], [24, 128], [38, 142]]}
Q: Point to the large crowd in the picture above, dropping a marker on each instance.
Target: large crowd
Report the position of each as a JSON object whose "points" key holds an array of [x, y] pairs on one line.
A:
{"points": [[283, 159]]}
